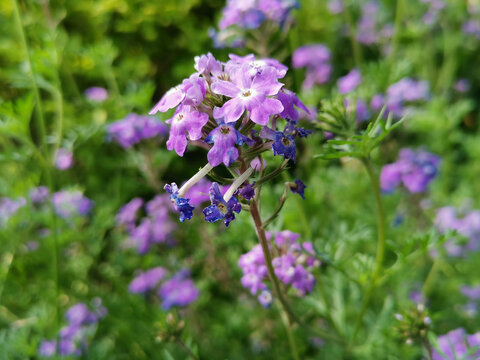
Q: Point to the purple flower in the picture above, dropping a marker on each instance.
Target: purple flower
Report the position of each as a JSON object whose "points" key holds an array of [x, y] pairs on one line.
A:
{"points": [[289, 101], [462, 85], [191, 92], [472, 292], [39, 195], [247, 192], [403, 91], [283, 144], [71, 203], [335, 6], [367, 26], [178, 291], [286, 238], [265, 298], [186, 121], [135, 128], [79, 314], [47, 348], [472, 27], [377, 102], [207, 64], [147, 281], [310, 56], [224, 138], [298, 188], [414, 169], [457, 345], [63, 159], [249, 94], [315, 58], [349, 82], [9, 207], [199, 193], [96, 93], [181, 205], [221, 209], [127, 215]]}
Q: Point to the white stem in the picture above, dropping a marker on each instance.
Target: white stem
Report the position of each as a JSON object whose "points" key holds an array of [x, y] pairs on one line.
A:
{"points": [[194, 179], [237, 183]]}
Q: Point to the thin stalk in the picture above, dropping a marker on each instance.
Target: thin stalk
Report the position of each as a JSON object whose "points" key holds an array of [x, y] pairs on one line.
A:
{"points": [[426, 344], [396, 37], [237, 183], [430, 279], [357, 53], [291, 338], [381, 240], [36, 92], [187, 349], [194, 179]]}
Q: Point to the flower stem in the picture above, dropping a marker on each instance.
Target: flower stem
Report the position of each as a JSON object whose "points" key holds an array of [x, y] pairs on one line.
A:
{"points": [[374, 180], [194, 179], [237, 183], [291, 339]]}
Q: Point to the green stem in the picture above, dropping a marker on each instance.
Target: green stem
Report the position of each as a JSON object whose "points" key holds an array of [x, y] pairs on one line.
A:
{"points": [[396, 37], [380, 245], [291, 338], [357, 53], [432, 274], [36, 92]]}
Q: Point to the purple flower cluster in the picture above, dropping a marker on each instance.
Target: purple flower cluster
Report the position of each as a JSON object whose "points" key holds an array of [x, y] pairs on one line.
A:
{"points": [[400, 94], [468, 226], [135, 128], [238, 16], [415, 169], [227, 107], [72, 338], [472, 293], [457, 344], [316, 59], [63, 159], [39, 195], [9, 207], [292, 265], [154, 228], [68, 204], [179, 290]]}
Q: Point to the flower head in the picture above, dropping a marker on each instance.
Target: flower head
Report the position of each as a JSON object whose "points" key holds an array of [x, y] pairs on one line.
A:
{"points": [[221, 209], [180, 204], [63, 159]]}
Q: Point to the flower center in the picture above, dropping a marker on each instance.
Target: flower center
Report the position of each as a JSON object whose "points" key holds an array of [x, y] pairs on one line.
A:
{"points": [[223, 209], [224, 130], [286, 141], [178, 118], [246, 93]]}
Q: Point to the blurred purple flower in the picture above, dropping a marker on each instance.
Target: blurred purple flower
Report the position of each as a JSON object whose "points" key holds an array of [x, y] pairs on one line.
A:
{"points": [[63, 159], [39, 195], [96, 93], [70, 203], [147, 281], [178, 291], [349, 82]]}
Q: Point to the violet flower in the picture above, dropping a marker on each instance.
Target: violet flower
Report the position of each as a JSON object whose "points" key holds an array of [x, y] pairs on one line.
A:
{"points": [[349, 82], [249, 94], [96, 93], [220, 208], [178, 291], [147, 281], [71, 203], [63, 159]]}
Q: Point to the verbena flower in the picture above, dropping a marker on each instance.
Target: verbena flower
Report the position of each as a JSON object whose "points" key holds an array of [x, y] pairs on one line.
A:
{"points": [[72, 338], [292, 266], [316, 59], [147, 281], [349, 82], [71, 203], [239, 16], [466, 224], [220, 208], [414, 169], [298, 188], [127, 215], [457, 344], [223, 107], [178, 291], [63, 159], [39, 195], [134, 128]]}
